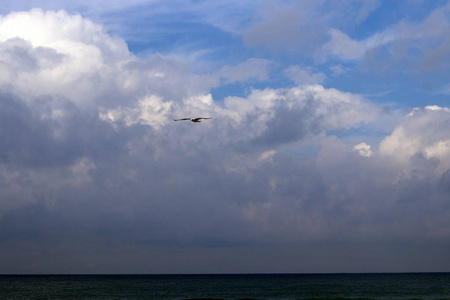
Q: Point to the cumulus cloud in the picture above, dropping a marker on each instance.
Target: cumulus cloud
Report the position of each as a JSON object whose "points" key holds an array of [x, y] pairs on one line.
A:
{"points": [[363, 149], [51, 52], [289, 115], [58, 51], [150, 111], [91, 156], [423, 133]]}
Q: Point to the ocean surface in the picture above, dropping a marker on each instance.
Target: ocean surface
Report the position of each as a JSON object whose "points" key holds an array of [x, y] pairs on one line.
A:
{"points": [[270, 286]]}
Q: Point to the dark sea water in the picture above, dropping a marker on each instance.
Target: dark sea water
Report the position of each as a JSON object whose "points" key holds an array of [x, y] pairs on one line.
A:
{"points": [[288, 286]]}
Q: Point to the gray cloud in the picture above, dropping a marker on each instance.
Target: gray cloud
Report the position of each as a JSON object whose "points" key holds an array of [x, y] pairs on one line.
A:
{"points": [[109, 183], [288, 27], [303, 26]]}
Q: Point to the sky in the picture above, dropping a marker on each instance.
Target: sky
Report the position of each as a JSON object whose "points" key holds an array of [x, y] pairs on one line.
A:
{"points": [[328, 149]]}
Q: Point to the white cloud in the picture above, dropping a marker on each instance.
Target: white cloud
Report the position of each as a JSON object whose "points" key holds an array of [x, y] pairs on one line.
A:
{"points": [[422, 132], [53, 52], [363, 149], [439, 150], [436, 108], [55, 29], [293, 114], [151, 111]]}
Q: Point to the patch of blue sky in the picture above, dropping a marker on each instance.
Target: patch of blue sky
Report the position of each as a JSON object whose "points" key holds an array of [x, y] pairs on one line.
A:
{"points": [[202, 18], [390, 13], [416, 11], [230, 90], [396, 90], [277, 78], [243, 89], [211, 43], [206, 47], [370, 133], [172, 36], [401, 84]]}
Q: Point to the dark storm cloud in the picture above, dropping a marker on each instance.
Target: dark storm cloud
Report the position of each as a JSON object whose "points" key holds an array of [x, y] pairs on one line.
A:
{"points": [[96, 177], [25, 137], [32, 138], [291, 125], [308, 203]]}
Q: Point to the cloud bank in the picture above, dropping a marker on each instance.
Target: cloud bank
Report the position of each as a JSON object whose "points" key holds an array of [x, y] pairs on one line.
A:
{"points": [[96, 177]]}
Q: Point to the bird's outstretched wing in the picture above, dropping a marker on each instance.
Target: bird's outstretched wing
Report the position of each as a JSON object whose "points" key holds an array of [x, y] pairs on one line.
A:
{"points": [[198, 119], [184, 119]]}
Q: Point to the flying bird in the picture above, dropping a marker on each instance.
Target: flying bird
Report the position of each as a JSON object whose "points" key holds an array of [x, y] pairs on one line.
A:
{"points": [[196, 120]]}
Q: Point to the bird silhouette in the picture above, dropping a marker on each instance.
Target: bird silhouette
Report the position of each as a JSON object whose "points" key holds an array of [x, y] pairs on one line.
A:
{"points": [[196, 120]]}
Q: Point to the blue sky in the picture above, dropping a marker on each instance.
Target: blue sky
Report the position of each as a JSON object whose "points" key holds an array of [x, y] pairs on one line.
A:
{"points": [[328, 141], [211, 42]]}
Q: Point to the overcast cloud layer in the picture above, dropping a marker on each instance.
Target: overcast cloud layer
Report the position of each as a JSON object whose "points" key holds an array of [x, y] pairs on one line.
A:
{"points": [[293, 173]]}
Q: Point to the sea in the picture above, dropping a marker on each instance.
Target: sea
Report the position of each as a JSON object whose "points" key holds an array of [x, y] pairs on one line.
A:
{"points": [[251, 286]]}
